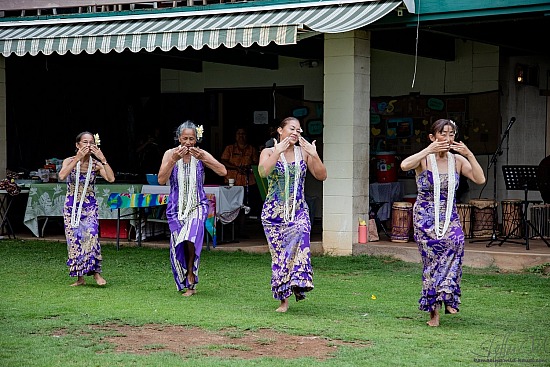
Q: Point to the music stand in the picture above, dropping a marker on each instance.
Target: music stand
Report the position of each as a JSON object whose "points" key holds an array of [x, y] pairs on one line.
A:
{"points": [[522, 178]]}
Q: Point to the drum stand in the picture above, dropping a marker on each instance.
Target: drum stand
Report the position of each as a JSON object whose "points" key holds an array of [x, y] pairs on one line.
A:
{"points": [[495, 211], [522, 178]]}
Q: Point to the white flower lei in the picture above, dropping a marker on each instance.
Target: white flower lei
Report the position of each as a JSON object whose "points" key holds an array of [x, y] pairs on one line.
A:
{"points": [[437, 191], [186, 186], [75, 217], [289, 216]]}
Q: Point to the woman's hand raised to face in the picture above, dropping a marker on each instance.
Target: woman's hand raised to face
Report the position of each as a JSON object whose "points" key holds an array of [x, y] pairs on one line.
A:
{"points": [[197, 153], [310, 148], [82, 152], [178, 152], [461, 149], [439, 146], [281, 147], [97, 152]]}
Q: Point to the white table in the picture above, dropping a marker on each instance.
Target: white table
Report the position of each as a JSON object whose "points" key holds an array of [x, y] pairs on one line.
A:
{"points": [[229, 199]]}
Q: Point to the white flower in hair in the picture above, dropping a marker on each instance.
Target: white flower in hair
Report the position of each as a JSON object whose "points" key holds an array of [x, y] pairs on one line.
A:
{"points": [[200, 131], [97, 139]]}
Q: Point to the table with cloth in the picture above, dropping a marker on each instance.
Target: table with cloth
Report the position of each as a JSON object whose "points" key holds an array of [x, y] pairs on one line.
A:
{"points": [[229, 199], [120, 201], [387, 192], [213, 206], [47, 200]]}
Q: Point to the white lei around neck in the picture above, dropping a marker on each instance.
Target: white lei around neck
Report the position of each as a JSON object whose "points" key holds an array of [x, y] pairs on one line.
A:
{"points": [[289, 215], [75, 214], [187, 184], [437, 191]]}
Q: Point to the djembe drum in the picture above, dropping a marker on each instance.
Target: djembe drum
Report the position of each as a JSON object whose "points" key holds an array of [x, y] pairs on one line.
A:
{"points": [[401, 217], [465, 216], [483, 217], [540, 218], [511, 218]]}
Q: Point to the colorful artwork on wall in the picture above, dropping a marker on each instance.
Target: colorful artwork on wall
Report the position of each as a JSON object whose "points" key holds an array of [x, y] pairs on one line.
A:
{"points": [[402, 123]]}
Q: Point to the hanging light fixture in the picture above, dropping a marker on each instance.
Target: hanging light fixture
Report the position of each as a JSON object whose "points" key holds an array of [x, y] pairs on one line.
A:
{"points": [[309, 63], [520, 73], [526, 75]]}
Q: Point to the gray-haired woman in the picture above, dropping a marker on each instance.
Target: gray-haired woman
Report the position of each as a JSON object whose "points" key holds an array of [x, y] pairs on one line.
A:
{"points": [[187, 208]]}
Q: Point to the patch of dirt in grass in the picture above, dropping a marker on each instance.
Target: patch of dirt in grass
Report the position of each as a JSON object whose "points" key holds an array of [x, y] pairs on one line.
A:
{"points": [[229, 343]]}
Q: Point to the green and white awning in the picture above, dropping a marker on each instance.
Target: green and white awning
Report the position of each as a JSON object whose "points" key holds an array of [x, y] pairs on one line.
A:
{"points": [[165, 31]]}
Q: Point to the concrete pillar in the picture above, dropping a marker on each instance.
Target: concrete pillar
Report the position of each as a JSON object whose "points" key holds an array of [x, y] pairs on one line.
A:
{"points": [[3, 124], [346, 138]]}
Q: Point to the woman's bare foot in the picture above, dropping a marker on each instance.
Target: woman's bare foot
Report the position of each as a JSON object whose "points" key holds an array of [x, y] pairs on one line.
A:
{"points": [[189, 293], [434, 318], [283, 307], [191, 278], [99, 279], [451, 310], [80, 281]]}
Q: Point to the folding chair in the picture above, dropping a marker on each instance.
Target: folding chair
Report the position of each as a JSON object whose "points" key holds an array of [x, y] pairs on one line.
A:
{"points": [[374, 207]]}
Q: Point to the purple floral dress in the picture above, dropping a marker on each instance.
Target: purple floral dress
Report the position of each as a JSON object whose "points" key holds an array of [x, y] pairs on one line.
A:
{"points": [[441, 258], [189, 229], [82, 242], [288, 242]]}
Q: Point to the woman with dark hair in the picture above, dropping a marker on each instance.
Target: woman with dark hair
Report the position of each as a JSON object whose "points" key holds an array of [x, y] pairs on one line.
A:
{"points": [[285, 214], [188, 207], [437, 228], [80, 212], [238, 159]]}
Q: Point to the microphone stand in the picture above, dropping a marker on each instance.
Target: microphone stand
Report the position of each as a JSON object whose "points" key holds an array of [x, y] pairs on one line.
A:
{"points": [[493, 162]]}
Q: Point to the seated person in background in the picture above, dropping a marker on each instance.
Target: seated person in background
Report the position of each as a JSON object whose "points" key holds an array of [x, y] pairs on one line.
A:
{"points": [[238, 159]]}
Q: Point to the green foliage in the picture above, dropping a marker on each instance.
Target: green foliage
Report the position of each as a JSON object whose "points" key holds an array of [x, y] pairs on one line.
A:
{"points": [[540, 269], [45, 322]]}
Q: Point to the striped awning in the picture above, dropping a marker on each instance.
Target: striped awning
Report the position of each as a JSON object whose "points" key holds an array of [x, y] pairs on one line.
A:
{"points": [[282, 25]]}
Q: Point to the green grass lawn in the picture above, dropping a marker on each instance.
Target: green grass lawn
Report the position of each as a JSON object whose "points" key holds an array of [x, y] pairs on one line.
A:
{"points": [[504, 316]]}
